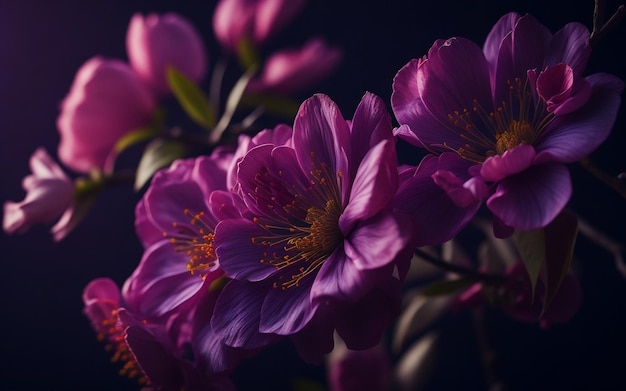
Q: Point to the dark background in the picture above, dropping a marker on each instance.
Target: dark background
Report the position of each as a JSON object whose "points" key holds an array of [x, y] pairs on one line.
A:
{"points": [[46, 342]]}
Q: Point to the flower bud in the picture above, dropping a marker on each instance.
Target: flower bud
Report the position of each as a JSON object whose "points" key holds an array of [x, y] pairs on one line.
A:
{"points": [[49, 192], [106, 101], [156, 42], [256, 20], [294, 70]]}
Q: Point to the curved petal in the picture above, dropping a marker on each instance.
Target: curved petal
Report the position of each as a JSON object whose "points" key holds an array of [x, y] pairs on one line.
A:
{"points": [[377, 171], [377, 242], [315, 340], [237, 315], [321, 135], [570, 45], [531, 199], [575, 135], [238, 254], [503, 27], [514, 160], [371, 124], [287, 311]]}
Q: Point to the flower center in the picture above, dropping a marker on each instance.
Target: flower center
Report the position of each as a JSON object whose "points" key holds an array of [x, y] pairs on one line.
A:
{"points": [[520, 119], [197, 244], [304, 231]]}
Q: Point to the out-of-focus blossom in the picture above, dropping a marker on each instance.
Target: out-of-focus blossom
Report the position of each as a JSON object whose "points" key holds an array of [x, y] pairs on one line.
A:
{"points": [[516, 298], [359, 370], [156, 42], [512, 114], [318, 247], [155, 352], [106, 101], [255, 20], [49, 192], [291, 71]]}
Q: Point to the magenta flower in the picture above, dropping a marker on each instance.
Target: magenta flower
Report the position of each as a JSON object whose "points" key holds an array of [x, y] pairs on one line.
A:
{"points": [[175, 221], [256, 20], [49, 193], [106, 101], [154, 352], [156, 42], [291, 71], [517, 300], [318, 247], [514, 112]]}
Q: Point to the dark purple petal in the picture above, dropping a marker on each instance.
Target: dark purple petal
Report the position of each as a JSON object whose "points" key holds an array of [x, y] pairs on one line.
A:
{"points": [[315, 340], [236, 252], [148, 233], [531, 199], [161, 282], [287, 311], [237, 315], [570, 46], [453, 78], [222, 205], [377, 242], [514, 160], [503, 28], [442, 219], [321, 135], [208, 174], [575, 135], [377, 171], [354, 323], [371, 124]]}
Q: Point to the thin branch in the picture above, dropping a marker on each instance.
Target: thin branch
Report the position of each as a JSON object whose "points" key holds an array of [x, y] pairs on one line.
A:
{"points": [[600, 28], [610, 245], [612, 181], [458, 269]]}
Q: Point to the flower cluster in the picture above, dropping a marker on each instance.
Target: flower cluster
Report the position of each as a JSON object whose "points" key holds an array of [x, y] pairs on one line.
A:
{"points": [[310, 231]]}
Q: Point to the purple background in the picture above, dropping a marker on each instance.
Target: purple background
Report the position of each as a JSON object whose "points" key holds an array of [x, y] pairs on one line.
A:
{"points": [[46, 342]]}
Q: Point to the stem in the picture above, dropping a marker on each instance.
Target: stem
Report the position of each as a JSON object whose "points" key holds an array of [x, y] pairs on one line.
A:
{"points": [[600, 28], [489, 278], [613, 182], [610, 245]]}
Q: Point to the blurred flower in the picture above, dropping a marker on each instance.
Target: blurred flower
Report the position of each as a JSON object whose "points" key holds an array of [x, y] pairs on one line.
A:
{"points": [[156, 42], [106, 101], [516, 298], [291, 71], [318, 247], [255, 20], [359, 370], [153, 352], [49, 192], [513, 112]]}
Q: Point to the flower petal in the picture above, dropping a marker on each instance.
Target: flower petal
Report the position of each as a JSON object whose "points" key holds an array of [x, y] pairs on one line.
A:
{"points": [[237, 315], [531, 199], [570, 45], [287, 311], [514, 160], [371, 124]]}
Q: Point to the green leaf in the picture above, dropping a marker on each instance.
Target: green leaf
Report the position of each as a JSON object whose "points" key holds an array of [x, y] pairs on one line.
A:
{"points": [[446, 287], [191, 98], [247, 54], [134, 137], [560, 237], [159, 153], [234, 98], [274, 104], [301, 384], [532, 249]]}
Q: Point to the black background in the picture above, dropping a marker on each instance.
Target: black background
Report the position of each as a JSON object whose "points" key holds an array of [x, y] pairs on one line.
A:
{"points": [[46, 342]]}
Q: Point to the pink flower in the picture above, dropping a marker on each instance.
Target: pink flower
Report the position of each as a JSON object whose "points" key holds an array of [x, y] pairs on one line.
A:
{"points": [[49, 193], [256, 20], [106, 101], [156, 42], [293, 70]]}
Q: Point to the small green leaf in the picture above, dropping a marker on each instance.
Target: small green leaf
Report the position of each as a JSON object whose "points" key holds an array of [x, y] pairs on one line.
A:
{"points": [[560, 237], [301, 384], [446, 287], [134, 137], [275, 104], [532, 248], [247, 54], [191, 99], [159, 153]]}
